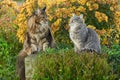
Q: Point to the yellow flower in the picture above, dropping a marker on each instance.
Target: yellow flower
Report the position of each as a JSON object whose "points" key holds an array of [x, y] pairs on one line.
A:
{"points": [[55, 25], [117, 41], [111, 8], [98, 16], [82, 2], [57, 22], [105, 18], [95, 6], [118, 29], [50, 18], [101, 16], [88, 4], [102, 32], [117, 14], [105, 41], [91, 6], [91, 26], [81, 9], [73, 0], [117, 35]]}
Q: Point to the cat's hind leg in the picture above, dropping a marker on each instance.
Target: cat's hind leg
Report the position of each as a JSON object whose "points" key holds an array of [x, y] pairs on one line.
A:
{"points": [[92, 47]]}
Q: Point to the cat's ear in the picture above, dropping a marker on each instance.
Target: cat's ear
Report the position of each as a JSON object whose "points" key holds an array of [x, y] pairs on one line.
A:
{"points": [[37, 11], [81, 16], [44, 9], [73, 14]]}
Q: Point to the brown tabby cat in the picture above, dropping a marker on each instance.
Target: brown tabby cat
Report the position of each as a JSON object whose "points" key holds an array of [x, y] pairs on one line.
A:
{"points": [[38, 38]]}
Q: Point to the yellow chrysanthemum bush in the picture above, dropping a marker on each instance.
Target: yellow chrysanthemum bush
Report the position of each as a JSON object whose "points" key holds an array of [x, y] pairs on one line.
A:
{"points": [[101, 15], [7, 16], [7, 13]]}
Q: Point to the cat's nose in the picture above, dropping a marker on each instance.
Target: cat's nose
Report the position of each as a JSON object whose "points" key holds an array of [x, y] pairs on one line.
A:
{"points": [[72, 21]]}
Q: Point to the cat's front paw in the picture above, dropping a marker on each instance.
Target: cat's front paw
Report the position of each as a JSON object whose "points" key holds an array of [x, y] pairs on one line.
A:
{"points": [[76, 50], [45, 46]]}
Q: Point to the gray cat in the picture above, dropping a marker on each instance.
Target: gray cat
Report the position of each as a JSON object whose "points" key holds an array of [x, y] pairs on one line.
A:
{"points": [[83, 38]]}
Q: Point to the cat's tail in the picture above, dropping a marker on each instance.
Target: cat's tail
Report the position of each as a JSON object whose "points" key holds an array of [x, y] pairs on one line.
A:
{"points": [[20, 64]]}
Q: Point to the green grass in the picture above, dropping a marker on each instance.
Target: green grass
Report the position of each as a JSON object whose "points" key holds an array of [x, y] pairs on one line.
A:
{"points": [[115, 49], [64, 64], [8, 52]]}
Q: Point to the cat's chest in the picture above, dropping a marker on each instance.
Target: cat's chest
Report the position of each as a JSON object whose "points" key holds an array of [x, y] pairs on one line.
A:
{"points": [[74, 37], [35, 38], [74, 33], [77, 35], [42, 29]]}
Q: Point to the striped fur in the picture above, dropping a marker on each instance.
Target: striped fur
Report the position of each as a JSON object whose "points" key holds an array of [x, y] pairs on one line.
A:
{"points": [[38, 38]]}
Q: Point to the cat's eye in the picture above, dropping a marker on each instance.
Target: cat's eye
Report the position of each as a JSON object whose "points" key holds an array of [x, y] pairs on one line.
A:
{"points": [[43, 16], [73, 21]]}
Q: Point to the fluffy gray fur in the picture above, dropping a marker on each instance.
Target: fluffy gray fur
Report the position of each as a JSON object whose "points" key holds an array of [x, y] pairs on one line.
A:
{"points": [[83, 38]]}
